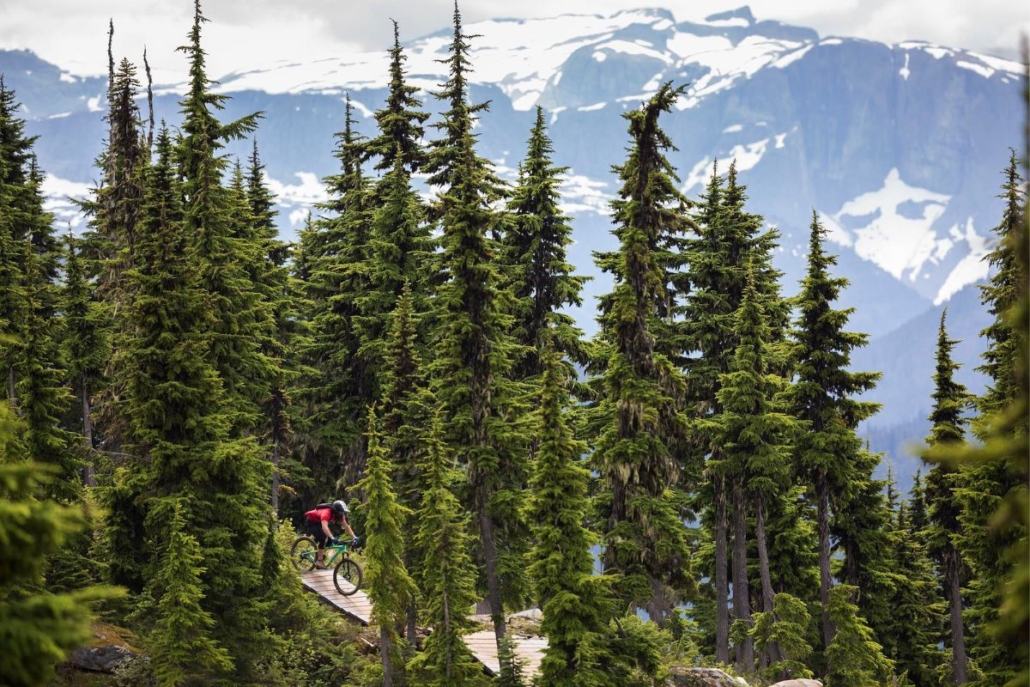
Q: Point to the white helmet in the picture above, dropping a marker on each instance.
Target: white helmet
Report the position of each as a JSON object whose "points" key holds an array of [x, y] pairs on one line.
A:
{"points": [[340, 508]]}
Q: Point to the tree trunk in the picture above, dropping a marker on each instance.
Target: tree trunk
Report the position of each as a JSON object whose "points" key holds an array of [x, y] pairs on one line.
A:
{"points": [[822, 492], [768, 595], [722, 611], [493, 588], [411, 630], [275, 476], [384, 653], [958, 637], [88, 471], [741, 593]]}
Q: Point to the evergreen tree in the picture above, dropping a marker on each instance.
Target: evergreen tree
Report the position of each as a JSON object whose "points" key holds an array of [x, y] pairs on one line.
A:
{"points": [[783, 632], [284, 295], [183, 651], [822, 397], [853, 657], [387, 581], [534, 249], [400, 121], [42, 396], [407, 414], [943, 481], [180, 426], [574, 601], [336, 252], [638, 421], [472, 371], [730, 242], [993, 494], [240, 319], [755, 435], [86, 346], [37, 629], [448, 577]]}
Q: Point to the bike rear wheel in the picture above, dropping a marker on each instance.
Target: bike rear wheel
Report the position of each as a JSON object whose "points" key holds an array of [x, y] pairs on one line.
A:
{"points": [[347, 576], [303, 554]]}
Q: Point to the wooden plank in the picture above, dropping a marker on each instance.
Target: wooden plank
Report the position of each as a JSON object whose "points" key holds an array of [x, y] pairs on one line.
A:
{"points": [[483, 645], [530, 650], [356, 606]]}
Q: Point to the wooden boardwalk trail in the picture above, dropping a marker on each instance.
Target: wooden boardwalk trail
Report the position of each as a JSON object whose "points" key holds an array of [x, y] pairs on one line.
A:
{"points": [[482, 644]]}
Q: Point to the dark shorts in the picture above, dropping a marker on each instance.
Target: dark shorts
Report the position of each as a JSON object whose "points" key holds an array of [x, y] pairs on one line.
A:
{"points": [[315, 530]]}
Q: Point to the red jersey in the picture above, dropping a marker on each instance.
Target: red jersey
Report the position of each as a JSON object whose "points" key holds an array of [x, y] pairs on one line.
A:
{"points": [[319, 515]]}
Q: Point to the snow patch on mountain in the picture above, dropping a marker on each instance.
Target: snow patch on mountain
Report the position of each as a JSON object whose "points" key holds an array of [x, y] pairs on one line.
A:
{"points": [[746, 155], [972, 268], [893, 227]]}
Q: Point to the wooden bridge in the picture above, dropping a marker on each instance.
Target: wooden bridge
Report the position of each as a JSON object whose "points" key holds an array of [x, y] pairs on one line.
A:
{"points": [[483, 644]]}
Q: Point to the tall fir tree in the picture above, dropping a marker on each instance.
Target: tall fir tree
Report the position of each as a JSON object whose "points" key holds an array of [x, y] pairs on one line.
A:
{"points": [[638, 419], [400, 121], [822, 397], [943, 528], [336, 252], [535, 251], [472, 373], [575, 602], [37, 629], [448, 576], [389, 586], [755, 434], [180, 430], [86, 347], [994, 489], [240, 321]]}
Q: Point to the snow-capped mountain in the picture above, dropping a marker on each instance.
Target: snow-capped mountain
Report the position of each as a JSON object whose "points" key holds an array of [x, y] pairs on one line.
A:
{"points": [[897, 147]]}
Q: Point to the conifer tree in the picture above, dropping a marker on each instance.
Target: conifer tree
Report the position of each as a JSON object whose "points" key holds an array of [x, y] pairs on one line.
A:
{"points": [[638, 420], [822, 397], [783, 632], [180, 429], [755, 435], [534, 249], [42, 396], [86, 346], [183, 651], [472, 371], [284, 295], [15, 156], [389, 586], [943, 482], [730, 242], [448, 577], [240, 319], [336, 250], [994, 487], [853, 657], [574, 601], [407, 415], [400, 121]]}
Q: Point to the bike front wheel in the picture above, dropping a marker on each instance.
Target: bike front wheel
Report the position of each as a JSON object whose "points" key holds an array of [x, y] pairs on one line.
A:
{"points": [[347, 576], [303, 554]]}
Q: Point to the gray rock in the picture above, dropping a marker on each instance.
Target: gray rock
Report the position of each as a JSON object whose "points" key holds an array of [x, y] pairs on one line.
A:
{"points": [[703, 677], [798, 683], [100, 659]]}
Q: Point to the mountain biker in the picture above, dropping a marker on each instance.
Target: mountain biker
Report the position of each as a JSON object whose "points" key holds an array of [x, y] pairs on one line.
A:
{"points": [[318, 520]]}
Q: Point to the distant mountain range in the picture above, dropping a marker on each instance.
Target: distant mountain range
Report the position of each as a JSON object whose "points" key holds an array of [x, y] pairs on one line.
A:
{"points": [[898, 147]]}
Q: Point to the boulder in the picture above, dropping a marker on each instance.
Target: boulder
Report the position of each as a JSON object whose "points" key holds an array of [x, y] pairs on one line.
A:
{"points": [[100, 659], [801, 682], [703, 677]]}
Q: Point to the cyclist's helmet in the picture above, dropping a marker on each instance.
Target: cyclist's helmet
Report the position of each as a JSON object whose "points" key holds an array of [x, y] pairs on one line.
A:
{"points": [[340, 508]]}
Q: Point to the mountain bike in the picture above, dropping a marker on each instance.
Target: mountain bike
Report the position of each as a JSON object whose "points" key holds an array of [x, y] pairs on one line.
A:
{"points": [[346, 571]]}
